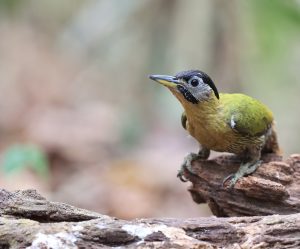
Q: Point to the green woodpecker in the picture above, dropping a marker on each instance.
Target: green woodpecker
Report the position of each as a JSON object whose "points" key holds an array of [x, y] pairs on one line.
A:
{"points": [[234, 123]]}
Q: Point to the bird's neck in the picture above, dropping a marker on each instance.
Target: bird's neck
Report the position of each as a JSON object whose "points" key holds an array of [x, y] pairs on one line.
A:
{"points": [[201, 110], [204, 120]]}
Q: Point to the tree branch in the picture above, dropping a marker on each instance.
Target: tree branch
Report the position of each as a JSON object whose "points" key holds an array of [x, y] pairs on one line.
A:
{"points": [[272, 189]]}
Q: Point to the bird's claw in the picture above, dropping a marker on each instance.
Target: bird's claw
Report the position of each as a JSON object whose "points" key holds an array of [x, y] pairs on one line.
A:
{"points": [[232, 180], [180, 175], [187, 165], [244, 170]]}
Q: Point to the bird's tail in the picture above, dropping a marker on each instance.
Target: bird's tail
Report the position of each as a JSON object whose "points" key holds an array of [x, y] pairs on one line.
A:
{"points": [[271, 144]]}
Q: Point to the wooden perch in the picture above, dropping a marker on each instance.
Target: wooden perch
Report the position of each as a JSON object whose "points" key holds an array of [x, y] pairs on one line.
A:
{"points": [[273, 189], [27, 220]]}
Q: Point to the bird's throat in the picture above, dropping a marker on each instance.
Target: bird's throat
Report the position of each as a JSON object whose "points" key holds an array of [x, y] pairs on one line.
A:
{"points": [[194, 107]]}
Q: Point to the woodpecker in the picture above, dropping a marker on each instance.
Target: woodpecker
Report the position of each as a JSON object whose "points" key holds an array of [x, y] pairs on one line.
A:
{"points": [[222, 122]]}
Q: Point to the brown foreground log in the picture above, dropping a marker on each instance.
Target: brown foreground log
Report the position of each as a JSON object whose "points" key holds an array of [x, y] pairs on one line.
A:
{"points": [[27, 220], [273, 189]]}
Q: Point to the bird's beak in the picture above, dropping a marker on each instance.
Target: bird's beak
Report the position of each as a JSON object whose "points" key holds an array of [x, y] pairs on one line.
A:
{"points": [[166, 80]]}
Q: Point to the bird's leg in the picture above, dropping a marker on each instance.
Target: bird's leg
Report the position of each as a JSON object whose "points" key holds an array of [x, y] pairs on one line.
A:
{"points": [[187, 162], [245, 168]]}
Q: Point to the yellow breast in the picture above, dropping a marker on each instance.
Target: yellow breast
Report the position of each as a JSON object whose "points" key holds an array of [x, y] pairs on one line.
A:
{"points": [[210, 131]]}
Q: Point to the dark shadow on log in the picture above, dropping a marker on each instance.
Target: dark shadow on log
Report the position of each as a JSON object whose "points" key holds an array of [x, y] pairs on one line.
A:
{"points": [[273, 189], [27, 220]]}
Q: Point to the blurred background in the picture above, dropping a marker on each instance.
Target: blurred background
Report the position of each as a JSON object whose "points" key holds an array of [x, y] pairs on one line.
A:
{"points": [[81, 122]]}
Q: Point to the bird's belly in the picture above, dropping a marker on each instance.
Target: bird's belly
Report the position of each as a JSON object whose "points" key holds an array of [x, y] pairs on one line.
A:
{"points": [[220, 138]]}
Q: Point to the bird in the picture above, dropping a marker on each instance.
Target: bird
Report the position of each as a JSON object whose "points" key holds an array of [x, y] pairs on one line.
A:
{"points": [[222, 122]]}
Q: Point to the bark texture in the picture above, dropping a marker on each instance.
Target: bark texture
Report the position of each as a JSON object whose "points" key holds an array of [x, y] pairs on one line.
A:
{"points": [[27, 220], [273, 189]]}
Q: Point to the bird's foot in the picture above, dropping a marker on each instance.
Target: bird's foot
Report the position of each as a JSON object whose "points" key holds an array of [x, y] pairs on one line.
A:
{"points": [[187, 165], [244, 170]]}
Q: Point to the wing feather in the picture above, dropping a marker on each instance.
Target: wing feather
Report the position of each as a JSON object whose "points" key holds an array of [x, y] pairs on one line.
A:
{"points": [[246, 115], [184, 120]]}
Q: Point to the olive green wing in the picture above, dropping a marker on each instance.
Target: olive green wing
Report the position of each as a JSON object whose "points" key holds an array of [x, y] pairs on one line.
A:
{"points": [[184, 120], [246, 115]]}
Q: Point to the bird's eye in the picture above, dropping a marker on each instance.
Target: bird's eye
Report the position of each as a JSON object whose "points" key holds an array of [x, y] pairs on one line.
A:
{"points": [[194, 82]]}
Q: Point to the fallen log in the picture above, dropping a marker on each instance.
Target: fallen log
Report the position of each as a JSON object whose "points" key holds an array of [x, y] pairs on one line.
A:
{"points": [[27, 220]]}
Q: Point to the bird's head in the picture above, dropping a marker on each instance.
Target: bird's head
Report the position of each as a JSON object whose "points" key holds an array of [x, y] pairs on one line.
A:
{"points": [[193, 86]]}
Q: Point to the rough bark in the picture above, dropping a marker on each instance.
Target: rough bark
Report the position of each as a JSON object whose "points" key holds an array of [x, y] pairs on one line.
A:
{"points": [[27, 220], [272, 189]]}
